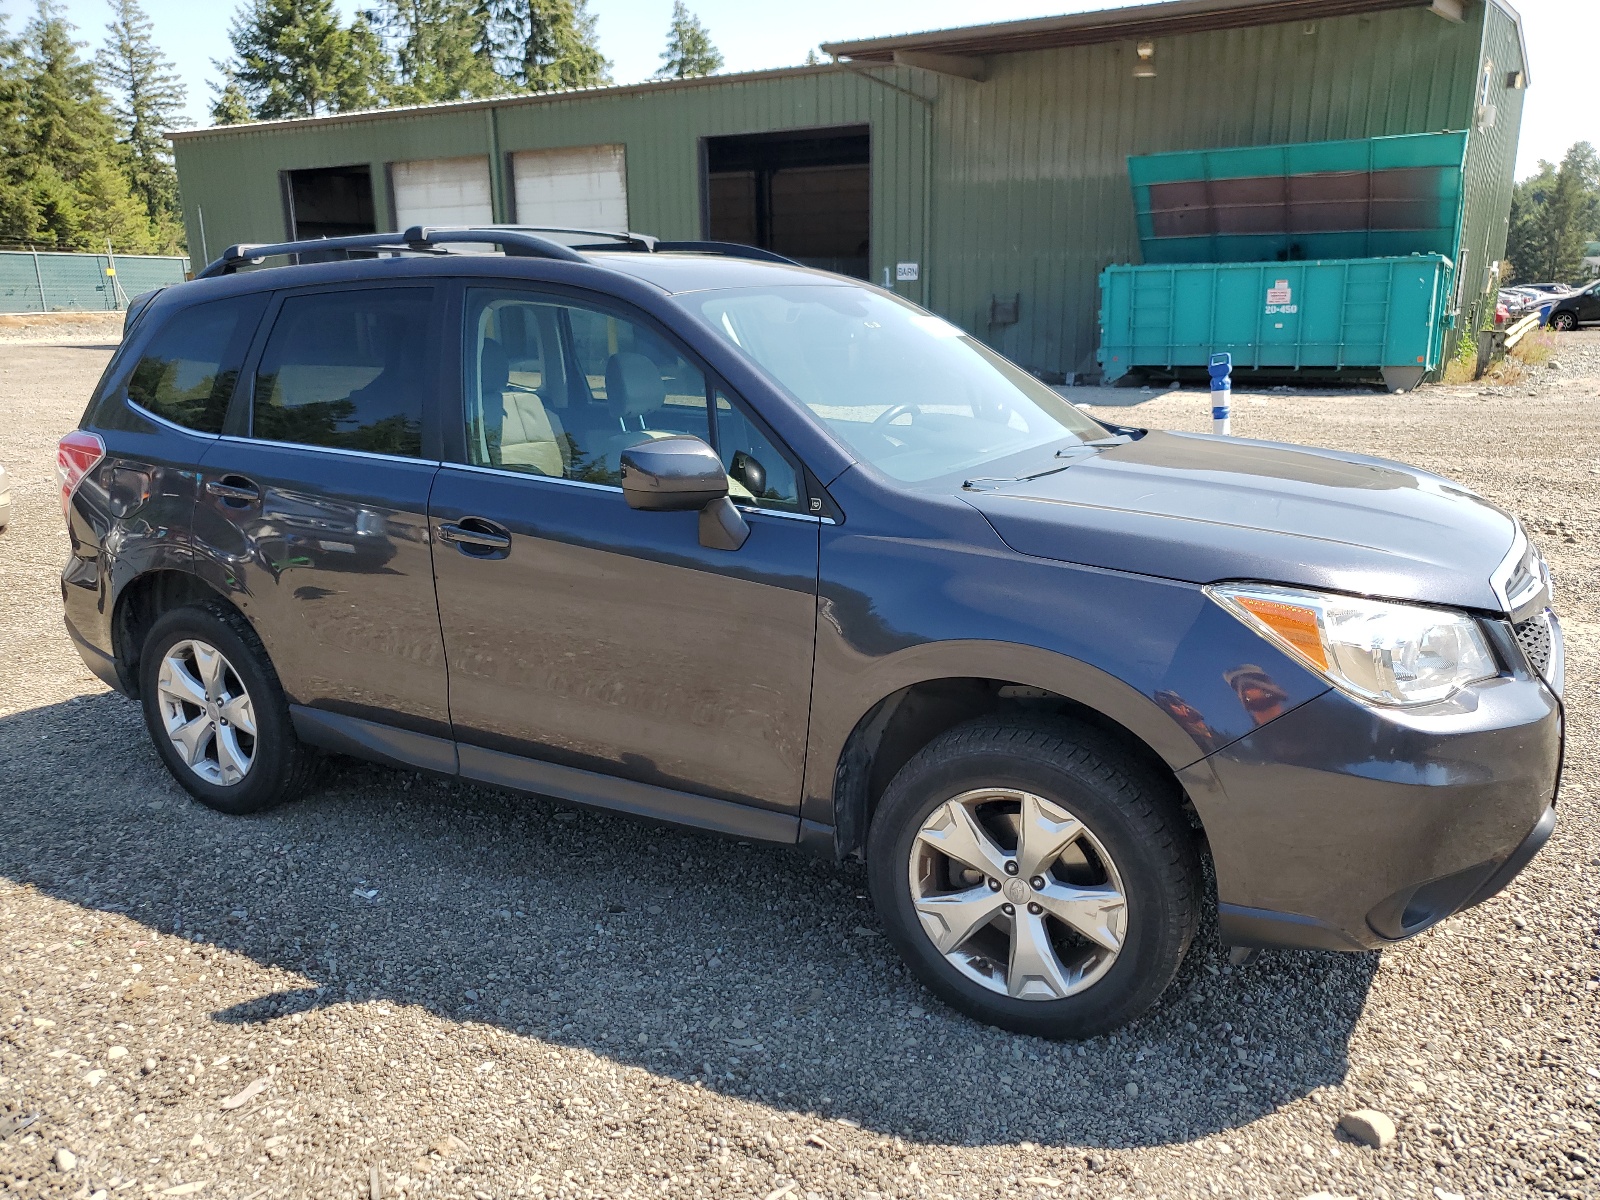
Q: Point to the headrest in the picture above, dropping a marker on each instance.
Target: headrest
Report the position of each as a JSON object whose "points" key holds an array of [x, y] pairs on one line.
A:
{"points": [[494, 368], [633, 385]]}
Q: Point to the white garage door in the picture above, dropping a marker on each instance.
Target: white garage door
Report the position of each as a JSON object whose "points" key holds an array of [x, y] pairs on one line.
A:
{"points": [[577, 187], [442, 191]]}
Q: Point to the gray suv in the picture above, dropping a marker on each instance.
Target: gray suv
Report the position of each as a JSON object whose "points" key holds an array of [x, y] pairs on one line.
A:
{"points": [[697, 534]]}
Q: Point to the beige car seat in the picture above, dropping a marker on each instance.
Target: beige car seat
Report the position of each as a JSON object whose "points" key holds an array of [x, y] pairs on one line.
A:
{"points": [[530, 435]]}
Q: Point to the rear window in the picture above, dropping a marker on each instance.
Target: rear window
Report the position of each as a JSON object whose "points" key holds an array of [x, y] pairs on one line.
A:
{"points": [[347, 370], [188, 371]]}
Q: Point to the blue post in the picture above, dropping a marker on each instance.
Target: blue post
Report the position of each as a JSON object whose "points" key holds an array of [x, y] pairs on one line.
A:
{"points": [[1222, 394]]}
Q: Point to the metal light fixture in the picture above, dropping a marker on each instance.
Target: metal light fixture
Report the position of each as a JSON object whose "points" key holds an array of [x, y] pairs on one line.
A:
{"points": [[1145, 68]]}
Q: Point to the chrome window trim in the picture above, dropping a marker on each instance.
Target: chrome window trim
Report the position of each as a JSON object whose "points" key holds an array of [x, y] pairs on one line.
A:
{"points": [[167, 422], [341, 450], [505, 473]]}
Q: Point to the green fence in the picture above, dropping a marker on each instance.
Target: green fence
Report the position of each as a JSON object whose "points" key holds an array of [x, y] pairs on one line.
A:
{"points": [[50, 281]]}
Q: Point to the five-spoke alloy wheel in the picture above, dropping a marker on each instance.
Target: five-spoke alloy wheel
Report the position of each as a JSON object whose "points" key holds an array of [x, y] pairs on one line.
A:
{"points": [[1017, 894], [207, 712], [216, 712], [1036, 874]]}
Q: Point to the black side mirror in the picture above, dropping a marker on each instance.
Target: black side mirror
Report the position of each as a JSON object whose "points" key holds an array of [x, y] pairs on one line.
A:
{"points": [[747, 469], [679, 474]]}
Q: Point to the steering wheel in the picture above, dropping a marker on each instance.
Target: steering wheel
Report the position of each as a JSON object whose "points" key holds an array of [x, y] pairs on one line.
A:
{"points": [[898, 410]]}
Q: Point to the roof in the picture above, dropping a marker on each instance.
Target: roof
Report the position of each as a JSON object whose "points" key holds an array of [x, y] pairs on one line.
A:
{"points": [[1108, 25], [511, 100]]}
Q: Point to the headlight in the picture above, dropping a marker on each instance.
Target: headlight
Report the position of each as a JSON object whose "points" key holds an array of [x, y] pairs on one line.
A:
{"points": [[1375, 649]]}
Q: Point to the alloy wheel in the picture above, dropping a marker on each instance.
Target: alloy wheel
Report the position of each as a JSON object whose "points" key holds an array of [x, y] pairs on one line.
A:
{"points": [[1017, 894], [207, 712]]}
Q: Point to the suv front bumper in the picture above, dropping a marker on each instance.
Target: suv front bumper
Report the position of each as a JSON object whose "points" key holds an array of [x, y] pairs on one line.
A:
{"points": [[1347, 826]]}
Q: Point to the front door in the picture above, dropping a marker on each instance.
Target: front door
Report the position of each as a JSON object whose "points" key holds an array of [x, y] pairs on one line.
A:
{"points": [[318, 504], [585, 634]]}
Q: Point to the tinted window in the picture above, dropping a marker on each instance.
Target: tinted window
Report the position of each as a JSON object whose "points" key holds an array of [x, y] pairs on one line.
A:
{"points": [[562, 389], [758, 472], [188, 371], [347, 370]]}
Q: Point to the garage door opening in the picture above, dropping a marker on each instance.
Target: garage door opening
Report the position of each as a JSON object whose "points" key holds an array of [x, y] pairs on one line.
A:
{"points": [[806, 195], [329, 202]]}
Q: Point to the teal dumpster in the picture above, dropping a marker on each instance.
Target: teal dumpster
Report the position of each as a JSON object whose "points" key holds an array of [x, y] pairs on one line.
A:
{"points": [[1363, 318]]}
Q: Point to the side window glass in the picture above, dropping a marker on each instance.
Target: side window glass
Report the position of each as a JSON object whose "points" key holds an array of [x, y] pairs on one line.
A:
{"points": [[188, 371], [347, 370], [562, 389], [758, 472]]}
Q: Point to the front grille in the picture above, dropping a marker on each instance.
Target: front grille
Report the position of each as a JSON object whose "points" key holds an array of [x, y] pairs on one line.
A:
{"points": [[1533, 635]]}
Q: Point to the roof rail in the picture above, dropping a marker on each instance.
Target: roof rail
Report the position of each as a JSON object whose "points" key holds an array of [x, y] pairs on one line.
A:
{"points": [[516, 240], [417, 239], [728, 250]]}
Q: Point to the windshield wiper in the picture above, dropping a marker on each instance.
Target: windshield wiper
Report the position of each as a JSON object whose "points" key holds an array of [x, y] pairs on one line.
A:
{"points": [[1116, 439]]}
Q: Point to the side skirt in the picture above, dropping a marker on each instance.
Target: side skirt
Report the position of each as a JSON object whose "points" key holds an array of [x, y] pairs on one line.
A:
{"points": [[422, 752]]}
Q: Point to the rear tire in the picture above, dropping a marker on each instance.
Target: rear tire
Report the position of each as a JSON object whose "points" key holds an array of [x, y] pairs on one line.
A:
{"points": [[217, 714], [1074, 915]]}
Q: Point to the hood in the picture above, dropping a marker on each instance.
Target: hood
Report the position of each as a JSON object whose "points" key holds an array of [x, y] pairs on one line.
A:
{"points": [[1206, 509]]}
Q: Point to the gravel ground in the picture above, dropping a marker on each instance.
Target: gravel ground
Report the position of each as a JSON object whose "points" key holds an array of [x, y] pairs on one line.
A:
{"points": [[404, 987]]}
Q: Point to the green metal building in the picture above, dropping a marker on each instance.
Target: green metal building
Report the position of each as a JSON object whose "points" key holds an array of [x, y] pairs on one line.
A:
{"points": [[982, 171]]}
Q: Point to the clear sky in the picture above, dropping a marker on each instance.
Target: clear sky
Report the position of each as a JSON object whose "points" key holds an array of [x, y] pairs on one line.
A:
{"points": [[1562, 35]]}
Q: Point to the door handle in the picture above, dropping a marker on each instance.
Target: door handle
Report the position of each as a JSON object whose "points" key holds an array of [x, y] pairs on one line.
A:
{"points": [[475, 536], [234, 489]]}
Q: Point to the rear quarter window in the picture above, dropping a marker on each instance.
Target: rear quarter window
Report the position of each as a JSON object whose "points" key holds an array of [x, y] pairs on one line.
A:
{"points": [[187, 372]]}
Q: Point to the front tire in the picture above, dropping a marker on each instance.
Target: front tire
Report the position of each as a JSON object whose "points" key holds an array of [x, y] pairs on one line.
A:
{"points": [[1035, 876], [217, 714], [1564, 321]]}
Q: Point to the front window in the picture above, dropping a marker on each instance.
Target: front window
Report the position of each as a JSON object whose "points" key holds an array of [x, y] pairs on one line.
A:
{"points": [[909, 392]]}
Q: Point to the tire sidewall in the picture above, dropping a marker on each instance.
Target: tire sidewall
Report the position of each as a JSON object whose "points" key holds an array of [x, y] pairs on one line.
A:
{"points": [[262, 785], [1139, 974]]}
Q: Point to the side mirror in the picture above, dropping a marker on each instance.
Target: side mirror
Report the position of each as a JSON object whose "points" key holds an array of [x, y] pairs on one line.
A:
{"points": [[679, 474]]}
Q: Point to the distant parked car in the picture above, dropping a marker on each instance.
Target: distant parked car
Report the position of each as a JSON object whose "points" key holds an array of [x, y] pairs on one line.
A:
{"points": [[5, 499], [1549, 289], [1580, 308]]}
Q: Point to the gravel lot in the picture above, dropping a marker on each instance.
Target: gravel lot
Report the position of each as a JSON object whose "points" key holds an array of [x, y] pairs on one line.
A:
{"points": [[409, 988]]}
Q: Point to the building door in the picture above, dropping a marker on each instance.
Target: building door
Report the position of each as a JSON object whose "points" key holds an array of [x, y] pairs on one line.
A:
{"points": [[804, 194], [575, 187], [441, 191], [328, 202]]}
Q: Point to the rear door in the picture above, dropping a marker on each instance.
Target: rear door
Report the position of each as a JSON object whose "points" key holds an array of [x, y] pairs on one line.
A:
{"points": [[583, 633], [316, 501]]}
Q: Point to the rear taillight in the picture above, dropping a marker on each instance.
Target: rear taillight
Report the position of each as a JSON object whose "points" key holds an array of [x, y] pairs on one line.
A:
{"points": [[76, 455]]}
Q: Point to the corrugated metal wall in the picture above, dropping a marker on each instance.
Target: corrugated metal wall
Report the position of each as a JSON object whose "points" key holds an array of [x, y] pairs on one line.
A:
{"points": [[231, 176], [1491, 171], [51, 281], [1033, 195], [1017, 186]]}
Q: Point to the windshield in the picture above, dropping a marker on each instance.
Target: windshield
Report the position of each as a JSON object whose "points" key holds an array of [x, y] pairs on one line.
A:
{"points": [[909, 392]]}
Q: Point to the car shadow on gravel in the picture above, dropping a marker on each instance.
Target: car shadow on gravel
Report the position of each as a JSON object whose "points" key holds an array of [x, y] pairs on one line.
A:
{"points": [[756, 971]]}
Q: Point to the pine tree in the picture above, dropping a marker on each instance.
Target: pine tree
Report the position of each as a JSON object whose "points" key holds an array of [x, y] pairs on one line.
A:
{"points": [[690, 52], [147, 100], [19, 217], [66, 154], [229, 104], [543, 45], [1554, 214], [436, 46], [293, 58]]}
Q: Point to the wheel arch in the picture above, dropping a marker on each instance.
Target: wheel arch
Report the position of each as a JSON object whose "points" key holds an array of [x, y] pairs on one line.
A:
{"points": [[141, 603], [899, 721]]}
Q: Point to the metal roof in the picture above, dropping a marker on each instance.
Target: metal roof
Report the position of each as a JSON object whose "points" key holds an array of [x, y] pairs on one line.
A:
{"points": [[510, 100], [1109, 25]]}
